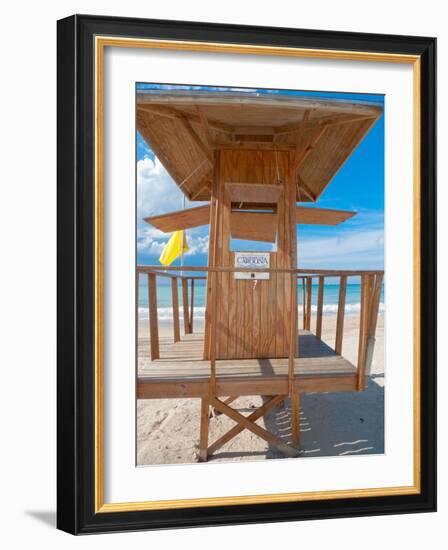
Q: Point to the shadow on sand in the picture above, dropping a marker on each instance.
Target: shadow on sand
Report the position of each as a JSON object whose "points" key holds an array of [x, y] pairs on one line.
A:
{"points": [[334, 424]]}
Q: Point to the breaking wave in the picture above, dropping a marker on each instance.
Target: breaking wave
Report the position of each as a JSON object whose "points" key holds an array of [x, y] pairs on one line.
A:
{"points": [[166, 313]]}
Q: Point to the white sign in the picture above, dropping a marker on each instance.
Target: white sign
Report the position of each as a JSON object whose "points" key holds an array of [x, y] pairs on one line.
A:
{"points": [[256, 260]]}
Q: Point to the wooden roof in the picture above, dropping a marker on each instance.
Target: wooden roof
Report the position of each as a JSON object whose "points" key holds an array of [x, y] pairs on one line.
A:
{"points": [[183, 128]]}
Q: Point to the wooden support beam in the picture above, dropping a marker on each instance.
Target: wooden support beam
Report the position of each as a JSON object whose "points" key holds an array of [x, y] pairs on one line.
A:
{"points": [[254, 428], [374, 307], [213, 295], [290, 204], [153, 321], [185, 306], [295, 418], [200, 191], [303, 153], [207, 152], [205, 127], [203, 436], [191, 305], [137, 309], [257, 146], [303, 188], [320, 307], [261, 411], [341, 314], [175, 302], [293, 334], [366, 294], [227, 401], [172, 113]]}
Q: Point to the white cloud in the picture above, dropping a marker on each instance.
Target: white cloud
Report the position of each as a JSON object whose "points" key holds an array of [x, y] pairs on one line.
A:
{"points": [[157, 193], [354, 249]]}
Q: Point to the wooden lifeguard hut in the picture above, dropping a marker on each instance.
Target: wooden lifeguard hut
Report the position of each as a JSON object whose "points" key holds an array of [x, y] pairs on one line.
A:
{"points": [[255, 159]]}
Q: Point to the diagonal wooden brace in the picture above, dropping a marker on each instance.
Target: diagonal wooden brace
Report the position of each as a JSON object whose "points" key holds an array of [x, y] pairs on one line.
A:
{"points": [[261, 411], [254, 428]]}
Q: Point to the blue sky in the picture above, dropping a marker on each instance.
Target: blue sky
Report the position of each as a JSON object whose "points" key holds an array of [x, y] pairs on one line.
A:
{"points": [[359, 185]]}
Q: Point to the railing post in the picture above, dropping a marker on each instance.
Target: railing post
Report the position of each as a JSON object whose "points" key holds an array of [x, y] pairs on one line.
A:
{"points": [[175, 301], [185, 305], [292, 335], [191, 304], [309, 281], [341, 313], [153, 321], [303, 304], [320, 307], [374, 306], [366, 293]]}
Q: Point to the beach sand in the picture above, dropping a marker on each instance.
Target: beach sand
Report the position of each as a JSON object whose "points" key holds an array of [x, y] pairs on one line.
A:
{"points": [[331, 424]]}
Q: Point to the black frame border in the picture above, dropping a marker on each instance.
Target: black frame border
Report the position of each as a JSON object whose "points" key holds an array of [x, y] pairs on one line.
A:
{"points": [[76, 264]]}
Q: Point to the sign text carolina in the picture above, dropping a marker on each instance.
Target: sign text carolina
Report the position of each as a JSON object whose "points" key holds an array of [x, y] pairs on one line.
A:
{"points": [[256, 260]]}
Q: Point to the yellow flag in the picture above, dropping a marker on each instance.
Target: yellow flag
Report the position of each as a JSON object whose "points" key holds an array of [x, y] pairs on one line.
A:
{"points": [[173, 248]]}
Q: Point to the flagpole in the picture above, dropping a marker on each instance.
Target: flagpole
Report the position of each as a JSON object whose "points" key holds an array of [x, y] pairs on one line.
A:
{"points": [[182, 242]]}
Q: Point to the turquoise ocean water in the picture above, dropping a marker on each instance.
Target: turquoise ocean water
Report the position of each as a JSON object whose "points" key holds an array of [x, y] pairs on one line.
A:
{"points": [[331, 292]]}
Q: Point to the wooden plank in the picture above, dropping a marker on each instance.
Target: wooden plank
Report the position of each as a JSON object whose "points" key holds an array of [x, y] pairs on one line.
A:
{"points": [[254, 193], [153, 321], [233, 432], [185, 305], [203, 436], [254, 226], [181, 219], [147, 389], [227, 103], [254, 428], [321, 216], [320, 306], [219, 269], [175, 303], [341, 314], [191, 305]]}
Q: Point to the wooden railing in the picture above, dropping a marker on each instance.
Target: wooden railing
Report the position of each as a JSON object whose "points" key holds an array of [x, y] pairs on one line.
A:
{"points": [[371, 284]]}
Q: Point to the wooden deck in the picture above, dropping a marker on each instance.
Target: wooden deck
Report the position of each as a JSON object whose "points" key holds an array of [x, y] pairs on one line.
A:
{"points": [[182, 372]]}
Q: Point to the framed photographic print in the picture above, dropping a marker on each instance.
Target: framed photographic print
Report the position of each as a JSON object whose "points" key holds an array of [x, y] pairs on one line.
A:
{"points": [[246, 274]]}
